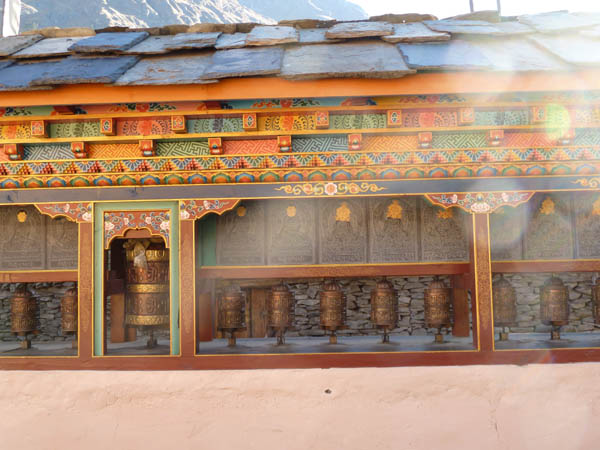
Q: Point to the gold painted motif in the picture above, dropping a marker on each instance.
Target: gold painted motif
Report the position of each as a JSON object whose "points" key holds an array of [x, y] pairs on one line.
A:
{"points": [[241, 211], [596, 207], [445, 214], [291, 211], [394, 210], [547, 207], [22, 216], [343, 213]]}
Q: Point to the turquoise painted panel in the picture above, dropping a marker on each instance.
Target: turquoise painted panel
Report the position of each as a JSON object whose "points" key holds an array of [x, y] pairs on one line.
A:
{"points": [[74, 129], [586, 136], [99, 209], [498, 118], [357, 121], [208, 232], [217, 125]]}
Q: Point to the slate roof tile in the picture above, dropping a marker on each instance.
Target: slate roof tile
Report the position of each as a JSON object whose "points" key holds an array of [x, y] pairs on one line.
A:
{"points": [[245, 62], [109, 42]]}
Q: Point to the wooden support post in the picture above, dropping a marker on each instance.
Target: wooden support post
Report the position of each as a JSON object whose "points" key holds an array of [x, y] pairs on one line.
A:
{"points": [[187, 289], [86, 290], [482, 269]]}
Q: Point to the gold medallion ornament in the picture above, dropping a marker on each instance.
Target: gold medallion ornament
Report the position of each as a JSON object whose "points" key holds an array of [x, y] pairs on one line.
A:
{"points": [[241, 211], [445, 214], [394, 210], [22, 216], [547, 207], [291, 211], [343, 213]]}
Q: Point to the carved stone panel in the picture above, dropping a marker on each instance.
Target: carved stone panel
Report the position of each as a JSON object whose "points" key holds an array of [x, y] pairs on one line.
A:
{"points": [[507, 226], [393, 230], [291, 232], [241, 235], [549, 232], [61, 243], [22, 246], [443, 233], [587, 223], [342, 231]]}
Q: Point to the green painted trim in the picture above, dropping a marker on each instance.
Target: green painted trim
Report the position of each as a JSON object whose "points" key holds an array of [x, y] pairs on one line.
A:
{"points": [[99, 210], [208, 235]]}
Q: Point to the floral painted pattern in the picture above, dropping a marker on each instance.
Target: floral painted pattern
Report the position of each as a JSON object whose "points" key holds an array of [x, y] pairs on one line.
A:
{"points": [[330, 188], [480, 202], [75, 212], [195, 209], [116, 223]]}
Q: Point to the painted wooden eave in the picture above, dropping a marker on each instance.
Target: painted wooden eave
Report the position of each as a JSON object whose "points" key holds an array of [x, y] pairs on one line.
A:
{"points": [[274, 87]]}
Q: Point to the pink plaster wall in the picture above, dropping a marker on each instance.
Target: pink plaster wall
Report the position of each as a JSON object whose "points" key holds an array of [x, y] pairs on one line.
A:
{"points": [[481, 407]]}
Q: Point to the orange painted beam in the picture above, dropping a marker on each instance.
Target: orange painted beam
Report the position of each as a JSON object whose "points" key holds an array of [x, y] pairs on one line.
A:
{"points": [[250, 88]]}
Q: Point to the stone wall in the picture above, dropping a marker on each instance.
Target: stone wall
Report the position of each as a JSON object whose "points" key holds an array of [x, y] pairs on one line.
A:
{"points": [[358, 294], [527, 286], [48, 296], [411, 319]]}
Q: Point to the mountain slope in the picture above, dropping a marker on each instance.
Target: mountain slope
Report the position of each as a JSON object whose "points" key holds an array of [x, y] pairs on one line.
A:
{"points": [[150, 13]]}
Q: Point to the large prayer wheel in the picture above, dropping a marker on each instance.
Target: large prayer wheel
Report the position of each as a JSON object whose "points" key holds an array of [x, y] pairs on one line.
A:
{"points": [[505, 305], [332, 304], [231, 312], [147, 301], [280, 311], [554, 305], [437, 307], [22, 314], [384, 307]]}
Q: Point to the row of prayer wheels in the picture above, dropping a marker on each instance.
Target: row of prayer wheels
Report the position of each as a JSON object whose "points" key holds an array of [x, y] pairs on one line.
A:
{"points": [[554, 305], [23, 309], [332, 305]]}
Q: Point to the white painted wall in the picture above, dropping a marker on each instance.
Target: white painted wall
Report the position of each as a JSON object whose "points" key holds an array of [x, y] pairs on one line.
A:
{"points": [[479, 407]]}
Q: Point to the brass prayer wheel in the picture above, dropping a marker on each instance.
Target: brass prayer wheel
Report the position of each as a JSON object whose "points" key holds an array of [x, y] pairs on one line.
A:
{"points": [[22, 314], [384, 307], [437, 307], [596, 301], [231, 312], [68, 311], [505, 305], [147, 299], [280, 311], [332, 304], [554, 305]]}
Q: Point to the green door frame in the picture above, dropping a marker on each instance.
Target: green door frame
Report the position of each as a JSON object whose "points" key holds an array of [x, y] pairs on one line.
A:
{"points": [[99, 210]]}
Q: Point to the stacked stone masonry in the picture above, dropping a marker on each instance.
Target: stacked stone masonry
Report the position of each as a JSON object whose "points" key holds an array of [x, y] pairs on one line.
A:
{"points": [[527, 286], [48, 297]]}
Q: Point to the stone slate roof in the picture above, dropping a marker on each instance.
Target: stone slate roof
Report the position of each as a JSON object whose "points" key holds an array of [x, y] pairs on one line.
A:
{"points": [[389, 46]]}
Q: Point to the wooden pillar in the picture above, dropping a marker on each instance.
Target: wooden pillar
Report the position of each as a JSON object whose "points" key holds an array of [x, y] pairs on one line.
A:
{"points": [[187, 289], [86, 290], [482, 270]]}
